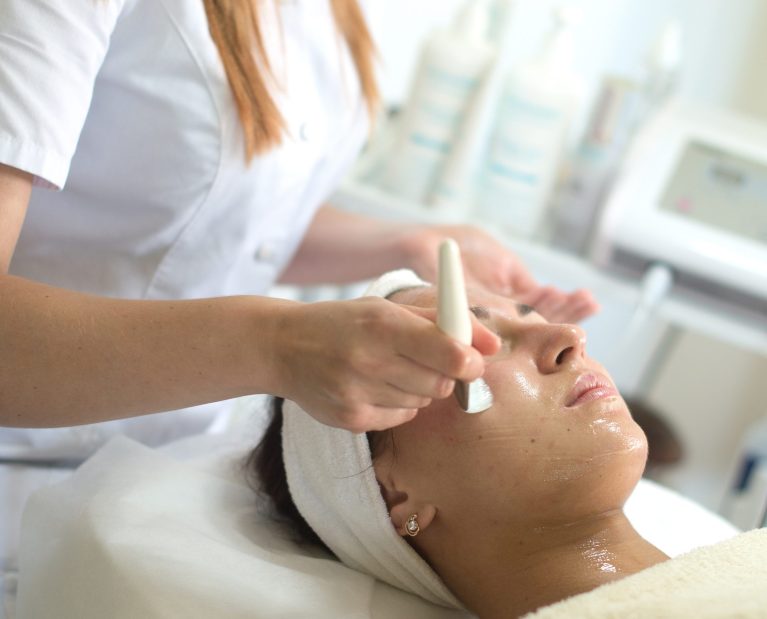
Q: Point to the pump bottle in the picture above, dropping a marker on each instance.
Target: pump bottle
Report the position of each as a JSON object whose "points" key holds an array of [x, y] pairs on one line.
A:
{"points": [[622, 106], [454, 189], [451, 67], [529, 136]]}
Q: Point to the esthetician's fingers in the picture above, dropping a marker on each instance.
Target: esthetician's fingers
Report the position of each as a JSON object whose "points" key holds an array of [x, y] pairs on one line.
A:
{"points": [[483, 338], [341, 361], [487, 263], [547, 301], [582, 305], [410, 379], [557, 306], [390, 397], [429, 347], [386, 418]]}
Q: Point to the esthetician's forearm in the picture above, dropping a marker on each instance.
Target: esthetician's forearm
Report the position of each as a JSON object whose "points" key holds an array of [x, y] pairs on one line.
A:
{"points": [[67, 358], [342, 247]]}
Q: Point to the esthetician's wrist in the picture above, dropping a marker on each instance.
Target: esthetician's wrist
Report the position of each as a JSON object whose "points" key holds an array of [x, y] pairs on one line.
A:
{"points": [[418, 246], [269, 342]]}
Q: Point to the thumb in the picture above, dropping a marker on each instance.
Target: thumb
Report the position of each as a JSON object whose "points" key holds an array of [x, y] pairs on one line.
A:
{"points": [[484, 339]]}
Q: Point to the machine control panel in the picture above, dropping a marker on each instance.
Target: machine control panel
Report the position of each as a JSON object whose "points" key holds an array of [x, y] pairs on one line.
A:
{"points": [[720, 189]]}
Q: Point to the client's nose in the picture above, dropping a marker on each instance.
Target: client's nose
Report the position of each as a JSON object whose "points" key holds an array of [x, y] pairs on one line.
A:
{"points": [[561, 345]]}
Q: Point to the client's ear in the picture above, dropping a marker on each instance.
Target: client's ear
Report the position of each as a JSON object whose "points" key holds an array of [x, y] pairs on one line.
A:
{"points": [[402, 507]]}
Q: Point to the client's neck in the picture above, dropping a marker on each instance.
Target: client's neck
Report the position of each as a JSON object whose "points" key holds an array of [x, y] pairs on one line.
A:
{"points": [[516, 571]]}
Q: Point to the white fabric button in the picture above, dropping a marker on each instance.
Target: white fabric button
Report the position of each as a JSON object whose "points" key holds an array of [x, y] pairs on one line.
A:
{"points": [[304, 132], [266, 252]]}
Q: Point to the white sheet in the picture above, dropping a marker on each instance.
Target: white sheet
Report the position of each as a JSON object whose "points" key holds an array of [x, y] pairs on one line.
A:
{"points": [[141, 533], [136, 533]]}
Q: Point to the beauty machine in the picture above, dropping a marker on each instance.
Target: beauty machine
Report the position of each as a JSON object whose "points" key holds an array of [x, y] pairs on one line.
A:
{"points": [[694, 198]]}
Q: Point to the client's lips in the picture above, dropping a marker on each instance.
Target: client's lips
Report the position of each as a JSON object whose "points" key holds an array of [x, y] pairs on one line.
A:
{"points": [[590, 387]]}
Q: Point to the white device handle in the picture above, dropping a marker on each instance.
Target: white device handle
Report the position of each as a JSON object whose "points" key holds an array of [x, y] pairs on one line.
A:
{"points": [[452, 306]]}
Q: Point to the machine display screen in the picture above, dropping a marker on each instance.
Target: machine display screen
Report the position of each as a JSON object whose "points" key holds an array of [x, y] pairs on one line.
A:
{"points": [[720, 189]]}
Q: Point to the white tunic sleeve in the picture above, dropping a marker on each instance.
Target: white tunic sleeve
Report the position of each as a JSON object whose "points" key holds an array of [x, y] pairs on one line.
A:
{"points": [[50, 53]]}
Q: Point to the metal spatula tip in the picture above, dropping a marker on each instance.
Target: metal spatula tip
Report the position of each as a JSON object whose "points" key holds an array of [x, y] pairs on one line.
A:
{"points": [[474, 397]]}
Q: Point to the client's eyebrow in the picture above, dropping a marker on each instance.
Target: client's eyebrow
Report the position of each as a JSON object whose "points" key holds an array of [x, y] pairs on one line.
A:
{"points": [[482, 313]]}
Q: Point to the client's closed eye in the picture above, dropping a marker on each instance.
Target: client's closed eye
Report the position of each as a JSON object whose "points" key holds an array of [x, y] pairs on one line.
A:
{"points": [[482, 313]]}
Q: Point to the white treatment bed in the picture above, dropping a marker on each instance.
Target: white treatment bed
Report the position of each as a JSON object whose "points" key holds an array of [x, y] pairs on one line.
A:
{"points": [[151, 533]]}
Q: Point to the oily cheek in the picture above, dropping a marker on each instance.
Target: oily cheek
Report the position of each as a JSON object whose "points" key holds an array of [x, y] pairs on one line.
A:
{"points": [[476, 445], [494, 433], [517, 385], [496, 483], [439, 421], [576, 443], [498, 463], [514, 432], [595, 471]]}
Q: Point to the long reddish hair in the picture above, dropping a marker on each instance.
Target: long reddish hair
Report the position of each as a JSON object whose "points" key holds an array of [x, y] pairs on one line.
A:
{"points": [[235, 28]]}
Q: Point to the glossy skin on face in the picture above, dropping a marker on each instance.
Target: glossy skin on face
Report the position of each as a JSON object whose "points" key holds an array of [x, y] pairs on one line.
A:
{"points": [[559, 443]]}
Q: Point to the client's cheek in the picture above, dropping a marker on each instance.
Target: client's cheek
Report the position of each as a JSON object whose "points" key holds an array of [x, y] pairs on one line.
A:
{"points": [[512, 429], [516, 388], [525, 388], [439, 419]]}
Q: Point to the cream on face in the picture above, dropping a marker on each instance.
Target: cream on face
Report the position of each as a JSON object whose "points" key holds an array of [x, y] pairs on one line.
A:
{"points": [[558, 443]]}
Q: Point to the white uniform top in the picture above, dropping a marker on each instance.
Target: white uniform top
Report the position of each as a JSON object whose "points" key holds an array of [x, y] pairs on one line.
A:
{"points": [[124, 105]]}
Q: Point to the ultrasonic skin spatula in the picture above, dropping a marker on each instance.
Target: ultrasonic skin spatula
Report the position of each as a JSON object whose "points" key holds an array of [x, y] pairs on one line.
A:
{"points": [[454, 320]]}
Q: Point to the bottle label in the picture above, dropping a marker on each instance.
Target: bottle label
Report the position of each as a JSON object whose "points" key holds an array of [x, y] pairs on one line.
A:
{"points": [[523, 158]]}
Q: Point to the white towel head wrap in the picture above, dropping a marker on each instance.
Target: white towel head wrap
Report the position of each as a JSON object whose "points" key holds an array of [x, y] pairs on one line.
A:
{"points": [[331, 479]]}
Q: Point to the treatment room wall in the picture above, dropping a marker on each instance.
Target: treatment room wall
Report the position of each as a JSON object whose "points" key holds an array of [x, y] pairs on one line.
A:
{"points": [[751, 86], [710, 391], [724, 50]]}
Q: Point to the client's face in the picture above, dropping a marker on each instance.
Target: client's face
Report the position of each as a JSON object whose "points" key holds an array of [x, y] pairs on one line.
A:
{"points": [[558, 444]]}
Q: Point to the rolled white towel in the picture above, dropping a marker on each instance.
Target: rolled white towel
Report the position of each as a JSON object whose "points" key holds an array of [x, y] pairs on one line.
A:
{"points": [[333, 484]]}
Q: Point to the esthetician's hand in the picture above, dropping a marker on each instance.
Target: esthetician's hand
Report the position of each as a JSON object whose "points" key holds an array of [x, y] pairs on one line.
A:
{"points": [[369, 364], [489, 264]]}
